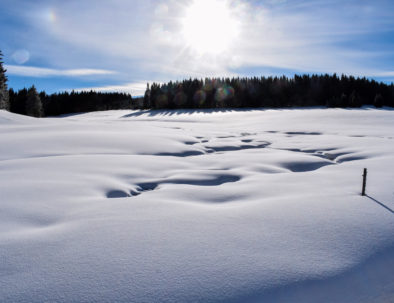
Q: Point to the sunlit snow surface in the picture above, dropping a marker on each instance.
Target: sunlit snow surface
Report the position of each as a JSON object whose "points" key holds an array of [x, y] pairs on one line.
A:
{"points": [[183, 206]]}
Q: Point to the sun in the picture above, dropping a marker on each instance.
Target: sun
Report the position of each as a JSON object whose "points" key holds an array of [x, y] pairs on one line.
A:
{"points": [[210, 26]]}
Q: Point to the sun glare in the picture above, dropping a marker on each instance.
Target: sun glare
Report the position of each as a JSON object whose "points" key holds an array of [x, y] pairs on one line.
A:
{"points": [[209, 26]]}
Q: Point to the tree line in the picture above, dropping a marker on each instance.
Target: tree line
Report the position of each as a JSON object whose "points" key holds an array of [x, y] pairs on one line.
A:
{"points": [[275, 92], [39, 104], [298, 91], [30, 102]]}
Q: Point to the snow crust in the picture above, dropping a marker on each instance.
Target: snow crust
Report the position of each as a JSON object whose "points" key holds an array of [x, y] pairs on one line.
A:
{"points": [[197, 206]]}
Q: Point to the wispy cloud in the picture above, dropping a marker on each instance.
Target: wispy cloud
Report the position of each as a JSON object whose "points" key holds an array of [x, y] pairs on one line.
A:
{"points": [[300, 35], [389, 74], [135, 89], [144, 39], [30, 71]]}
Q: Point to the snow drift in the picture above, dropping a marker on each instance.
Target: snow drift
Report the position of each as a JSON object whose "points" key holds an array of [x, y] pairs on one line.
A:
{"points": [[197, 206]]}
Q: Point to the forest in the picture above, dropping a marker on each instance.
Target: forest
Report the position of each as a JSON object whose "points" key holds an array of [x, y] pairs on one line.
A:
{"points": [[254, 92], [298, 91]]}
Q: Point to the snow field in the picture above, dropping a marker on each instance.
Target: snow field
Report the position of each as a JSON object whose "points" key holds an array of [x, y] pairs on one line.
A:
{"points": [[209, 206]]}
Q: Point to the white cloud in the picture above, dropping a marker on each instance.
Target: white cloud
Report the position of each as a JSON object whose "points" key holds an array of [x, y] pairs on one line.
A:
{"points": [[143, 39], [135, 89], [30, 71], [283, 36], [383, 74]]}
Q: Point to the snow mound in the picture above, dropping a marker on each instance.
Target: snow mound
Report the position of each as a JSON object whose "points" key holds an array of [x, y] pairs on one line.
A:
{"points": [[7, 118]]}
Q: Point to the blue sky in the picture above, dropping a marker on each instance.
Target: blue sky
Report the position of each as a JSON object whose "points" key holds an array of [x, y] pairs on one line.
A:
{"points": [[121, 45]]}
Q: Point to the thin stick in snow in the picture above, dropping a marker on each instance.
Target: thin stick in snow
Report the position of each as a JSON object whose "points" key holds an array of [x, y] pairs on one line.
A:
{"points": [[364, 181]]}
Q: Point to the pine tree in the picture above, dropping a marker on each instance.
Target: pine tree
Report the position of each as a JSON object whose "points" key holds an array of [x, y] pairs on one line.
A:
{"points": [[4, 98], [147, 103], [33, 103]]}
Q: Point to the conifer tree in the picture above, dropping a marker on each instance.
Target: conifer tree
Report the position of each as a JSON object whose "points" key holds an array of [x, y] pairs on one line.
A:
{"points": [[33, 103], [4, 98], [146, 103]]}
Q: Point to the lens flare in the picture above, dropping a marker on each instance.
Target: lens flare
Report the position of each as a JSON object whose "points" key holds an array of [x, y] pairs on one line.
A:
{"points": [[224, 93], [50, 15], [21, 56], [180, 98], [199, 97]]}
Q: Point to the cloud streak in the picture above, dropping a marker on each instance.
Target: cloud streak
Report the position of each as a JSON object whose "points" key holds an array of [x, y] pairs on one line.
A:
{"points": [[135, 89], [30, 71]]}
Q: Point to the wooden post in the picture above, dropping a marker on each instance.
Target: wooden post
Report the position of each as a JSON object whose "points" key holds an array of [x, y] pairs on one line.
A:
{"points": [[364, 181]]}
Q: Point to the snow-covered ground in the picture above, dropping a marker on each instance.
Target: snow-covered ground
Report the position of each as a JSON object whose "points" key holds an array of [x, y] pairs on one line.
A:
{"points": [[183, 206]]}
